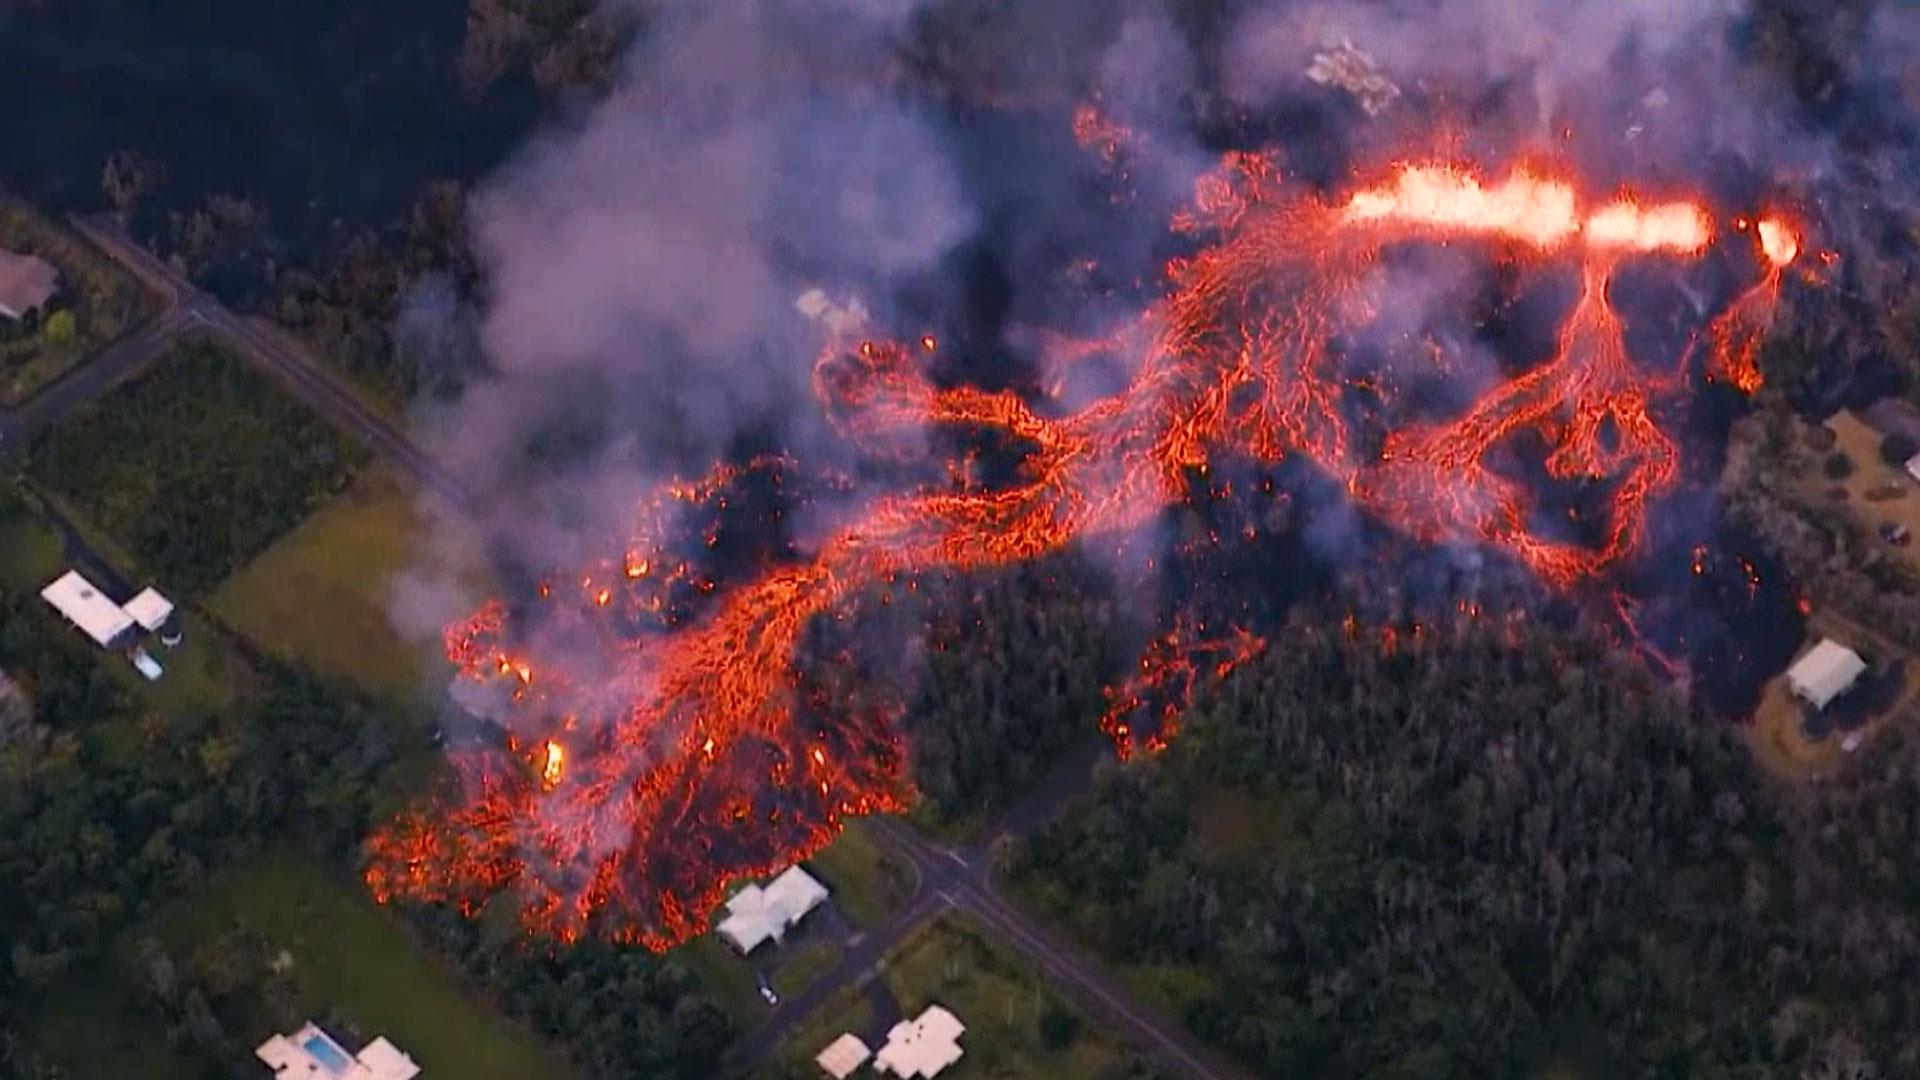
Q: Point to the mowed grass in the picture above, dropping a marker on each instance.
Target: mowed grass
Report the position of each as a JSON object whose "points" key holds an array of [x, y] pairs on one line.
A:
{"points": [[319, 597], [29, 549], [867, 883], [92, 1026], [1001, 998], [349, 958]]}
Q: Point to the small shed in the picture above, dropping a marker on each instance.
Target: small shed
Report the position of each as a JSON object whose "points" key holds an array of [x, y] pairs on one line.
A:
{"points": [[1828, 670], [843, 1056], [27, 282], [150, 609]]}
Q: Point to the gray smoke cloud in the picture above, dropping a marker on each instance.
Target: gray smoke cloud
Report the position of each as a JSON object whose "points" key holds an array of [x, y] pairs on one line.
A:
{"points": [[643, 256]]}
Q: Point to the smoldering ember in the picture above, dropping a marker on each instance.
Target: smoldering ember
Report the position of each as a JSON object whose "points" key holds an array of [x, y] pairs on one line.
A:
{"points": [[1263, 538]]}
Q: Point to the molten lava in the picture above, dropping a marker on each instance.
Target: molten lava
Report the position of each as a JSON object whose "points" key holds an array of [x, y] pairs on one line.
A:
{"points": [[693, 753]]}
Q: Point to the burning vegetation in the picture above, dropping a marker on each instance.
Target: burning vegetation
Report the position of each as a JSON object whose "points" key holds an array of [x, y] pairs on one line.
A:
{"points": [[691, 751]]}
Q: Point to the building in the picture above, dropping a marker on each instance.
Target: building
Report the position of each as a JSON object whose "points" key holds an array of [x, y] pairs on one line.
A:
{"points": [[86, 607], [312, 1054], [756, 915], [150, 609], [26, 284], [842, 1056], [1828, 670], [1913, 466], [922, 1047]]}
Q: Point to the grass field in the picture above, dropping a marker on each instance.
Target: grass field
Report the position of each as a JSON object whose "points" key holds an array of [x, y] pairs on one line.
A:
{"points": [[195, 467], [868, 884], [319, 596], [350, 958], [726, 975], [802, 963], [101, 300], [1000, 998], [90, 1026], [29, 549]]}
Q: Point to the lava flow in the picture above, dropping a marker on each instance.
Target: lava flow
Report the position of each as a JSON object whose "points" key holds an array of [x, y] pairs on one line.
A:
{"points": [[686, 753]]}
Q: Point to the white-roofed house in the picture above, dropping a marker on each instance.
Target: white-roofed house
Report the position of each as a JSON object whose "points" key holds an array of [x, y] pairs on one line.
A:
{"points": [[923, 1047], [842, 1056], [756, 915], [1828, 670], [312, 1054], [86, 607], [1913, 466], [27, 282]]}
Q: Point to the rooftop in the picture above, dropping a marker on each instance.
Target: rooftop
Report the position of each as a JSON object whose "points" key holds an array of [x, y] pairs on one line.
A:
{"points": [[756, 915], [26, 283], [842, 1056], [86, 607], [1825, 672], [922, 1047], [150, 609], [312, 1054]]}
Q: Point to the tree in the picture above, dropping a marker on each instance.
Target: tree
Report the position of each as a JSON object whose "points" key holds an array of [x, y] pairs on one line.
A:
{"points": [[1898, 448], [59, 329], [1058, 1028], [1838, 466]]}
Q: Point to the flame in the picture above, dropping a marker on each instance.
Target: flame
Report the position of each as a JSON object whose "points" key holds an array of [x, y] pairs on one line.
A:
{"points": [[694, 766]]}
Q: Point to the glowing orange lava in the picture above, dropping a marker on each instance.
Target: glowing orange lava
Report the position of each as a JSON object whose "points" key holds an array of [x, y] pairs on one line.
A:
{"points": [[687, 762]]}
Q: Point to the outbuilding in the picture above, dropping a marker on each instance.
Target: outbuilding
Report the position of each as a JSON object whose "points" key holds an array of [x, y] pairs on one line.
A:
{"points": [[1827, 671], [27, 282], [843, 1056]]}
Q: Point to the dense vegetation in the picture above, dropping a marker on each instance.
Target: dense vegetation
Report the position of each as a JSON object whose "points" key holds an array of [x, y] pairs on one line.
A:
{"points": [[997, 673], [197, 466], [1472, 856]]}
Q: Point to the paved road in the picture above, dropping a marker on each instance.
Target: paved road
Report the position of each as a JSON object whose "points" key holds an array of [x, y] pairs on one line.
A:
{"points": [[274, 351], [948, 879], [965, 880], [962, 881], [112, 365]]}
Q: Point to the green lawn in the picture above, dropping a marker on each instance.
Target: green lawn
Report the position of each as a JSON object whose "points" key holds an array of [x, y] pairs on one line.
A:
{"points": [[349, 957], [29, 550], [847, 1011], [99, 302], [195, 467], [726, 975], [868, 883], [804, 961], [92, 1026], [1000, 998], [319, 596]]}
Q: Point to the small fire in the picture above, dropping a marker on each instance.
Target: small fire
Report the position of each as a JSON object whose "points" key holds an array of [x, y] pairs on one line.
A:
{"points": [[553, 764], [1778, 242]]}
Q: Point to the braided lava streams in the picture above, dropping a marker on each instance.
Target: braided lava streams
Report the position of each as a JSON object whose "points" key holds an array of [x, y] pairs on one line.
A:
{"points": [[642, 781]]}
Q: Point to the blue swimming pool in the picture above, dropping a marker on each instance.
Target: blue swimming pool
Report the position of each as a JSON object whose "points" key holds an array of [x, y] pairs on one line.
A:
{"points": [[328, 1053]]}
